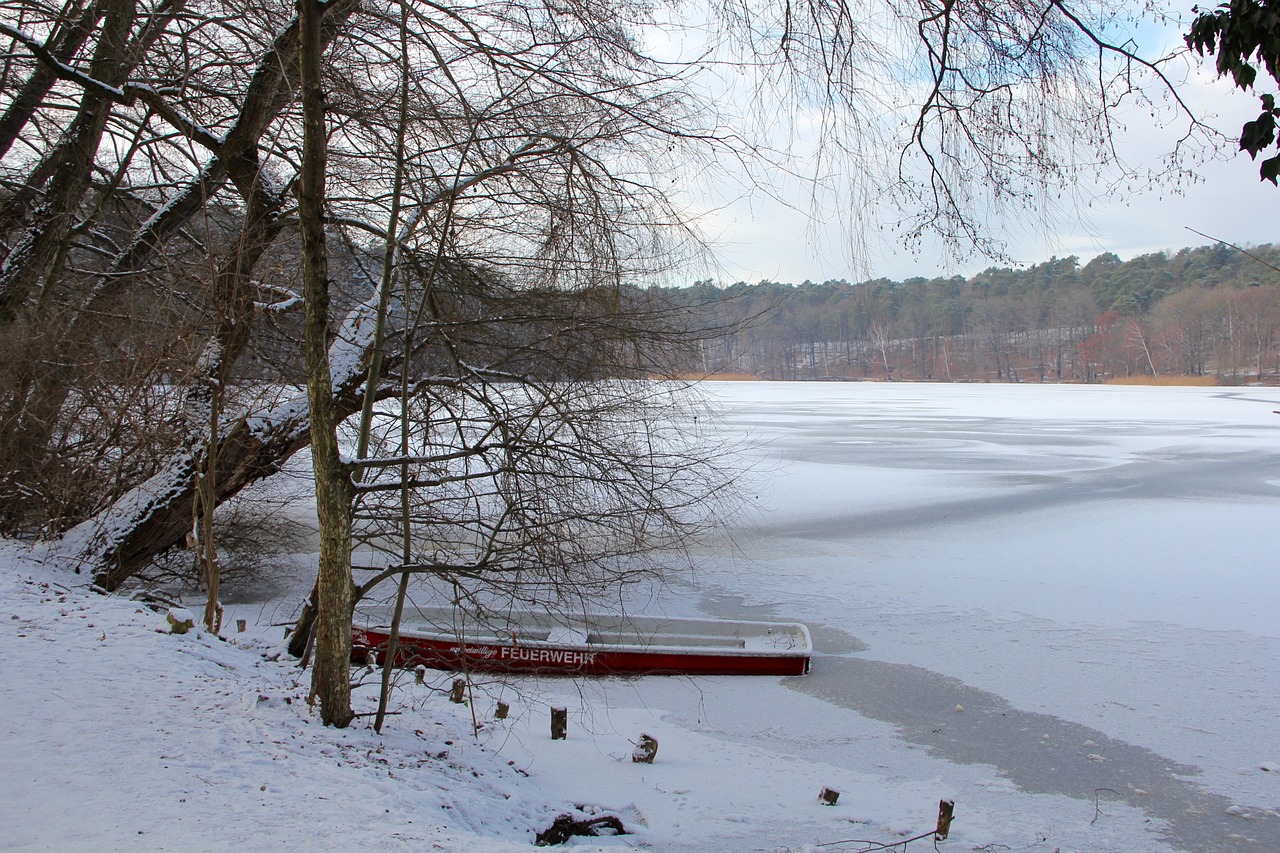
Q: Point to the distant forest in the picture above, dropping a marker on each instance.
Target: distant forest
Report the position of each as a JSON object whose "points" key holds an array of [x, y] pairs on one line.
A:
{"points": [[1206, 312]]}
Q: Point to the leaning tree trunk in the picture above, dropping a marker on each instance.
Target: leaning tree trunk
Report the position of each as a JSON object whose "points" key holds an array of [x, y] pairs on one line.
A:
{"points": [[273, 88], [158, 514], [70, 36], [35, 253], [255, 443]]}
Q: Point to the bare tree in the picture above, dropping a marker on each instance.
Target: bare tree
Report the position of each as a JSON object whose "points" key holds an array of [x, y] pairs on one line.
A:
{"points": [[516, 168], [331, 684], [177, 136]]}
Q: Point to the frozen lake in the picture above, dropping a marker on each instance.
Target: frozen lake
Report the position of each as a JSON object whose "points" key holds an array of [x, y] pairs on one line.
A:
{"points": [[1055, 605], [1089, 571]]}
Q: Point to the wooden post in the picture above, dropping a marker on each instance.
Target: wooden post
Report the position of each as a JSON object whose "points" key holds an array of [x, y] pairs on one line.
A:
{"points": [[458, 692], [420, 674], [502, 711], [241, 624], [829, 796], [559, 723], [646, 750], [945, 810]]}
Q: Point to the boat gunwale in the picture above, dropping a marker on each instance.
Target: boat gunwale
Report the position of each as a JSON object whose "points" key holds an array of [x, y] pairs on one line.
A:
{"points": [[609, 648], [420, 628]]}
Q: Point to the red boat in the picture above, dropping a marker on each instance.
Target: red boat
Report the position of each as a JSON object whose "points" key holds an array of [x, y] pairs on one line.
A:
{"points": [[593, 644]]}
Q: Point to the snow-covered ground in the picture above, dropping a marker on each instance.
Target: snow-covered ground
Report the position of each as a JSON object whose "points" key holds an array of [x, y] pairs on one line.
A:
{"points": [[1055, 605]]}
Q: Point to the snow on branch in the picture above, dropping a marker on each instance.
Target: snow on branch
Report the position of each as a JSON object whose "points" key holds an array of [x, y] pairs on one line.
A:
{"points": [[127, 95]]}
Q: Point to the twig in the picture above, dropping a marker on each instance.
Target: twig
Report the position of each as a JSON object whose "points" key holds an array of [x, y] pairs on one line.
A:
{"points": [[1244, 252], [878, 845], [1097, 808], [149, 597]]}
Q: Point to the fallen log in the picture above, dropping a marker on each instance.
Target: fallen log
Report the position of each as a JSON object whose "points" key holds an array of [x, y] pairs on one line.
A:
{"points": [[565, 827]]}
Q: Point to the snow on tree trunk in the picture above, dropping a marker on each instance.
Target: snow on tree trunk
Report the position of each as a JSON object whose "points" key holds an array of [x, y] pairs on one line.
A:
{"points": [[157, 515]]}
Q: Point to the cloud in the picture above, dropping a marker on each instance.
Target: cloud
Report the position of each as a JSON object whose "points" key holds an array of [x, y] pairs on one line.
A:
{"points": [[814, 224]]}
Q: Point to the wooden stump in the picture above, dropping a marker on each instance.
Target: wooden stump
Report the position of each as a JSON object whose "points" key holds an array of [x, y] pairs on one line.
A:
{"points": [[241, 625], [828, 796], [457, 694], [502, 710], [646, 750], [946, 808], [180, 620], [420, 674], [559, 723]]}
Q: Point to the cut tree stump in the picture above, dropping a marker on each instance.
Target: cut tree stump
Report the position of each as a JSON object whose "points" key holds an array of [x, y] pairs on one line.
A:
{"points": [[646, 750], [457, 694], [500, 713], [559, 723], [946, 809], [180, 620], [829, 796]]}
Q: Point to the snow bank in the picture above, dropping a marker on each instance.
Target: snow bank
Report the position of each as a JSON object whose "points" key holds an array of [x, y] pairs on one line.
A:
{"points": [[119, 734]]}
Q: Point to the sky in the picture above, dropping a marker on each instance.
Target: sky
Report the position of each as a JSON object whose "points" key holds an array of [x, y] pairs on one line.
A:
{"points": [[760, 238], [785, 235]]}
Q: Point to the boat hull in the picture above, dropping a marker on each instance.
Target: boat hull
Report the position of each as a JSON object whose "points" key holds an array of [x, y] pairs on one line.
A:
{"points": [[437, 652]]}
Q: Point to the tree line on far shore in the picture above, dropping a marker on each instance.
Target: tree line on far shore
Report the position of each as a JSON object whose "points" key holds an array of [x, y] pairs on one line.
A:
{"points": [[1212, 311]]}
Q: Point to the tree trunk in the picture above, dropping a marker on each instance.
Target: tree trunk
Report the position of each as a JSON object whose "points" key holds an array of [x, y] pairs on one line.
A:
{"points": [[255, 443], [68, 39], [272, 89], [157, 515], [331, 674], [36, 253]]}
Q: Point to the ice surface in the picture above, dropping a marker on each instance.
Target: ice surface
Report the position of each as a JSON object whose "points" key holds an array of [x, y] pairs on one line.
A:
{"points": [[1101, 555]]}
